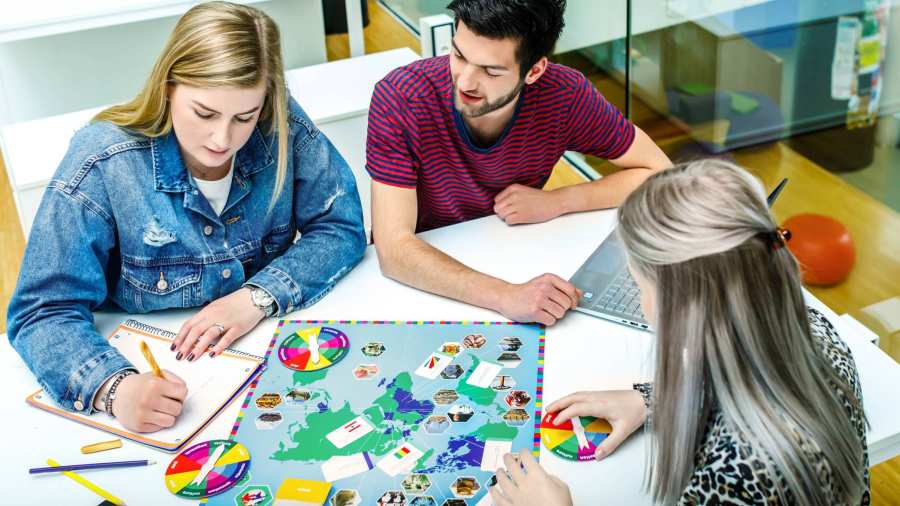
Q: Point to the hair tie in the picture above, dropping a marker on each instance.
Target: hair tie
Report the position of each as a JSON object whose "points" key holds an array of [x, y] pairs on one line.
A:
{"points": [[776, 238]]}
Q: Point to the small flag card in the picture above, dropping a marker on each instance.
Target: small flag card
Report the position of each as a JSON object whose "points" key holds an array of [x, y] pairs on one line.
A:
{"points": [[349, 432], [401, 460], [433, 366]]}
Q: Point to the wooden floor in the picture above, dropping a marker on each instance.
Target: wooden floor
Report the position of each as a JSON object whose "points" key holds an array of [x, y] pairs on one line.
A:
{"points": [[383, 33], [873, 226]]}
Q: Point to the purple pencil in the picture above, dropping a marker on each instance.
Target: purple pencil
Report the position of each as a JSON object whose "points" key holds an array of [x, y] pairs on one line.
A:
{"points": [[94, 465]]}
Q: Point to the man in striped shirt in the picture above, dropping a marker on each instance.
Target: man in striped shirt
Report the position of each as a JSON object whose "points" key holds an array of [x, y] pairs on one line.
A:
{"points": [[456, 138]]}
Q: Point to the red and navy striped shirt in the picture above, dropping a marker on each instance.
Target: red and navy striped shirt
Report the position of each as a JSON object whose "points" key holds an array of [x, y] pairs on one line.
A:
{"points": [[418, 140]]}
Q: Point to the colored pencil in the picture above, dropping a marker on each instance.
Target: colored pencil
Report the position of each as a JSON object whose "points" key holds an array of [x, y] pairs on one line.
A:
{"points": [[93, 465], [88, 485], [149, 356]]}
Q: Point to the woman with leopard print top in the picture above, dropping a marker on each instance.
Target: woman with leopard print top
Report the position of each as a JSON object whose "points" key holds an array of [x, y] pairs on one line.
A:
{"points": [[755, 399]]}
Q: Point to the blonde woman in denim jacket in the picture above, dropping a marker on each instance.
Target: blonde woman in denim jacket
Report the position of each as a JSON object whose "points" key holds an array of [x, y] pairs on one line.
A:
{"points": [[190, 195]]}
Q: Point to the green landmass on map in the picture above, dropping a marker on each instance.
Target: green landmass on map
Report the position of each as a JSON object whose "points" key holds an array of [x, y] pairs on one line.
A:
{"points": [[478, 395], [303, 378], [395, 415], [496, 431]]}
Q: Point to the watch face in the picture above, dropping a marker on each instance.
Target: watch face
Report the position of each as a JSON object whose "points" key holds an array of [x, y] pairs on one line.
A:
{"points": [[262, 300]]}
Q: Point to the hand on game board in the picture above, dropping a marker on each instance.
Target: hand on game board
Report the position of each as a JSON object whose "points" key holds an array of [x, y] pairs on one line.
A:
{"points": [[522, 204], [623, 409], [543, 299], [225, 319], [525, 483]]}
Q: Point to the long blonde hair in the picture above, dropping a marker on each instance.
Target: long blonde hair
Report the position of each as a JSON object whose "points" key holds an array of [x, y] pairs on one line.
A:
{"points": [[214, 44], [733, 334]]}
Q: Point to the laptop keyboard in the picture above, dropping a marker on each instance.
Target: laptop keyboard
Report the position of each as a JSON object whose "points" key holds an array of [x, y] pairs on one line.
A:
{"points": [[622, 296]]}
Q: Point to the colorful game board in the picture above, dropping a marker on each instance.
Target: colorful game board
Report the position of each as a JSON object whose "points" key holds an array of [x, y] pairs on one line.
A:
{"points": [[399, 413]]}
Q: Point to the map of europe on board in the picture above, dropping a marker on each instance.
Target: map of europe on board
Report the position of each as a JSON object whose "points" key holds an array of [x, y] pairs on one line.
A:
{"points": [[390, 413]]}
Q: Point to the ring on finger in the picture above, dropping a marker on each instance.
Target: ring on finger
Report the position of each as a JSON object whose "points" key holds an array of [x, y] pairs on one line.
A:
{"points": [[218, 326]]}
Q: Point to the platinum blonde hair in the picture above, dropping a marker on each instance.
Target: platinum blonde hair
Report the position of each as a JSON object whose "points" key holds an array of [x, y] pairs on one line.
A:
{"points": [[733, 334]]}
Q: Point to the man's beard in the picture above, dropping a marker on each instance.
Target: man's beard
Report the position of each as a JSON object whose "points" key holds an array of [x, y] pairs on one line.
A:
{"points": [[487, 107]]}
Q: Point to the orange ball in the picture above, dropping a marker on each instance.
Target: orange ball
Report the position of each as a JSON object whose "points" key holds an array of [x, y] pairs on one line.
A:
{"points": [[823, 247]]}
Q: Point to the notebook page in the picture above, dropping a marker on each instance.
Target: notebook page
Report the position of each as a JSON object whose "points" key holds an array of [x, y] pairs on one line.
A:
{"points": [[210, 382]]}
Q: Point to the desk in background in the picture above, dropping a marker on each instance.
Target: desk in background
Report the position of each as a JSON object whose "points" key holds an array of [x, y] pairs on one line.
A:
{"points": [[581, 353]]}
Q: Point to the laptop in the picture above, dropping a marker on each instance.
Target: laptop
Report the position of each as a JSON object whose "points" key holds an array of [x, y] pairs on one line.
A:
{"points": [[609, 290]]}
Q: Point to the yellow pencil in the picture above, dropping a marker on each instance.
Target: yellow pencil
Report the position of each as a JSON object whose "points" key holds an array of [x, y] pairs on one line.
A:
{"points": [[149, 356], [88, 485]]}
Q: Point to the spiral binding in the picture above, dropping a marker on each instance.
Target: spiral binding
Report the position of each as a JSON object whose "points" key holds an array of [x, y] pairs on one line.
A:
{"points": [[156, 331]]}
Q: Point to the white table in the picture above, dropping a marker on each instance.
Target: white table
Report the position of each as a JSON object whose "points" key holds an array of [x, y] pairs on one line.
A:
{"points": [[617, 356]]}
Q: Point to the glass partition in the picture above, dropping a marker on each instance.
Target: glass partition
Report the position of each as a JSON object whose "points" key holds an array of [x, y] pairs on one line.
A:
{"points": [[708, 77], [408, 12], [714, 77]]}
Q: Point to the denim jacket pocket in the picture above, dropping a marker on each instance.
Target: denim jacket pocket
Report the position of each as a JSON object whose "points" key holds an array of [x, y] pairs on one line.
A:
{"points": [[161, 283], [277, 240]]}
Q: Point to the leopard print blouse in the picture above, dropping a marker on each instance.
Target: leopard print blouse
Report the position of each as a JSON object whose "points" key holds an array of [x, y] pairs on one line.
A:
{"points": [[726, 469]]}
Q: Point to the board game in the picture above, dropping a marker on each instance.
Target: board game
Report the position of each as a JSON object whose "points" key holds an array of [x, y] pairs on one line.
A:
{"points": [[390, 413]]}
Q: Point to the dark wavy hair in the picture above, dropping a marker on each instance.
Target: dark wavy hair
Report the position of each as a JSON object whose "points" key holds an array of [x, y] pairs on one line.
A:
{"points": [[535, 24]]}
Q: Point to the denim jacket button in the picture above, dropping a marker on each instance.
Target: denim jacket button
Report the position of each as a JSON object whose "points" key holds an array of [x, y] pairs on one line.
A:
{"points": [[162, 284], [207, 230], [78, 405], [226, 273]]}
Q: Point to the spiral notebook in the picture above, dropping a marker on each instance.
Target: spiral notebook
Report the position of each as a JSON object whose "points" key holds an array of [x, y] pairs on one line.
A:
{"points": [[212, 385]]}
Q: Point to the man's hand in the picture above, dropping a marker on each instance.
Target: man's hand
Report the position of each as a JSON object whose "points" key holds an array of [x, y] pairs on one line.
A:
{"points": [[544, 299], [522, 204], [145, 403]]}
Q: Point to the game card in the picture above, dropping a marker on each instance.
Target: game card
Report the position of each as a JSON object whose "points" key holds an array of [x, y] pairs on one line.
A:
{"points": [[349, 432], [484, 374], [340, 467], [297, 492], [401, 460], [494, 450], [433, 366]]}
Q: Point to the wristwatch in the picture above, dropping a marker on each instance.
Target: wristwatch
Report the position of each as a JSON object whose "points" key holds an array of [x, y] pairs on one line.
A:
{"points": [[262, 300]]}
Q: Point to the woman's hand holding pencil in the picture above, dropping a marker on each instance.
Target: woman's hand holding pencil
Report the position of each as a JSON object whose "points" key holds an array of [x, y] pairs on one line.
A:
{"points": [[151, 401]]}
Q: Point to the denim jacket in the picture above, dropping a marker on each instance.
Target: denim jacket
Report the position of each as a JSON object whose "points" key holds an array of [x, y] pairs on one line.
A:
{"points": [[123, 225]]}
